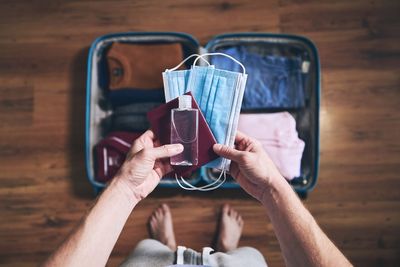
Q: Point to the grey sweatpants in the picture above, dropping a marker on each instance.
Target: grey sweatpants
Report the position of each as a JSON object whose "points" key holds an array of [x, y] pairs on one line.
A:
{"points": [[150, 252]]}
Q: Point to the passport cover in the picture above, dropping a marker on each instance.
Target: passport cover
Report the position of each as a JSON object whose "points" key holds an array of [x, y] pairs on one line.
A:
{"points": [[160, 121]]}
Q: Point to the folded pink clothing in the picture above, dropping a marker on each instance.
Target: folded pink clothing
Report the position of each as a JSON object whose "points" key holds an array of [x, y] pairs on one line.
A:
{"points": [[278, 135]]}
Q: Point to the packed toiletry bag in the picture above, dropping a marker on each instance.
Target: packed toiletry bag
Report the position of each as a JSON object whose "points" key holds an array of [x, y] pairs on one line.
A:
{"points": [[307, 117]]}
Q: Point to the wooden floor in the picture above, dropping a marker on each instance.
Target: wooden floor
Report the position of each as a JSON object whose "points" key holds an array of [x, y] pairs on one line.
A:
{"points": [[43, 188]]}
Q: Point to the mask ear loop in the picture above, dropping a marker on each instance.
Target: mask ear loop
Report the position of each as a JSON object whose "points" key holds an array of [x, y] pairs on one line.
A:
{"points": [[186, 59], [207, 187], [220, 54], [204, 188]]}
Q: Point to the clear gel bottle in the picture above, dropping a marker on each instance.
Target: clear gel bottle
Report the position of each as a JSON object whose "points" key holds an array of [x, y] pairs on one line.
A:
{"points": [[184, 130]]}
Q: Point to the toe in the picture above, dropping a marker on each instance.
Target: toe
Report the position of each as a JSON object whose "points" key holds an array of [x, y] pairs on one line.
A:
{"points": [[225, 208], [159, 213], [233, 213], [230, 210], [237, 216], [160, 208], [152, 217], [156, 211], [165, 207], [152, 228], [241, 222]]}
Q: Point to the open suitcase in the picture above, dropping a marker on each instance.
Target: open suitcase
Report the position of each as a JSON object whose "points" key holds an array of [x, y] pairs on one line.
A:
{"points": [[307, 117]]}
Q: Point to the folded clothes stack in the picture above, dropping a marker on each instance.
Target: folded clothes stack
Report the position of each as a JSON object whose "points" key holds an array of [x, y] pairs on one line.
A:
{"points": [[135, 71], [135, 86], [140, 65], [278, 135], [273, 81], [132, 117]]}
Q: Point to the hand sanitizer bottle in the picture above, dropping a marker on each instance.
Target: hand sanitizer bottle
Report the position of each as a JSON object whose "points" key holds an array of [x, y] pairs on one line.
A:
{"points": [[184, 130]]}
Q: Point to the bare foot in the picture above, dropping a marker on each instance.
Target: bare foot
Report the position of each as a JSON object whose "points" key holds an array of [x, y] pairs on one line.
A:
{"points": [[161, 228], [230, 229]]}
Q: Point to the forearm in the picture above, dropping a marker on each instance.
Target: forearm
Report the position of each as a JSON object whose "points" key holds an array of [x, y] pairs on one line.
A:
{"points": [[302, 241], [92, 241]]}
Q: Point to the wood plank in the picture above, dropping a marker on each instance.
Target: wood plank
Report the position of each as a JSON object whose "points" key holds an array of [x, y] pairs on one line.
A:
{"points": [[44, 191]]}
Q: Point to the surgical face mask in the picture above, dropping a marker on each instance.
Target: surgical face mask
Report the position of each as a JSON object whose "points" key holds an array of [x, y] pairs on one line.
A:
{"points": [[219, 94]]}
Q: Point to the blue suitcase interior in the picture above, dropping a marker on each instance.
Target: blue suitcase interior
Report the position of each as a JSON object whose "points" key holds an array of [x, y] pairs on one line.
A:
{"points": [[307, 117]]}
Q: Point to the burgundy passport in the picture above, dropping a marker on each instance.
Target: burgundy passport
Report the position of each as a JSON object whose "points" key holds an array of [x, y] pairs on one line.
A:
{"points": [[160, 121]]}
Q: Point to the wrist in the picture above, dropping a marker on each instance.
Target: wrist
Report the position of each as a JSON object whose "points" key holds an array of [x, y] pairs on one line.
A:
{"points": [[275, 185], [122, 188]]}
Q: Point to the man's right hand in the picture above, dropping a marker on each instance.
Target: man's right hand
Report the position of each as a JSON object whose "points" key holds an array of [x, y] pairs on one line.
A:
{"points": [[251, 166], [302, 241]]}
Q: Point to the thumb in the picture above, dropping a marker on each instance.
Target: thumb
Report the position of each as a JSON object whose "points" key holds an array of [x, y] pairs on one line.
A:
{"points": [[166, 151], [227, 152]]}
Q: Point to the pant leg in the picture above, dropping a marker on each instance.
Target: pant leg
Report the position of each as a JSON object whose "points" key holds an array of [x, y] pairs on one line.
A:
{"points": [[150, 252], [243, 256]]}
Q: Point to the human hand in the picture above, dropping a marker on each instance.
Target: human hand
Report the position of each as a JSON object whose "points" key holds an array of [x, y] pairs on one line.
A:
{"points": [[251, 166], [145, 165]]}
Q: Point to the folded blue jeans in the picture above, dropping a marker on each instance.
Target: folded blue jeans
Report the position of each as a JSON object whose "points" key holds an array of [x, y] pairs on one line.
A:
{"points": [[273, 81]]}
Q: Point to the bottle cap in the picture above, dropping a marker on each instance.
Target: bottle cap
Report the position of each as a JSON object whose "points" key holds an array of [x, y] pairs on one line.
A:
{"points": [[185, 101]]}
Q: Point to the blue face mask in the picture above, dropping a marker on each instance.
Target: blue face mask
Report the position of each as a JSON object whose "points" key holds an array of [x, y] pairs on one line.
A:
{"points": [[219, 94]]}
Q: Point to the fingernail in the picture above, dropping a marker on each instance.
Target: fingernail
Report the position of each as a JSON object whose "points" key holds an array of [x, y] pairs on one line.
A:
{"points": [[178, 147], [217, 146]]}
